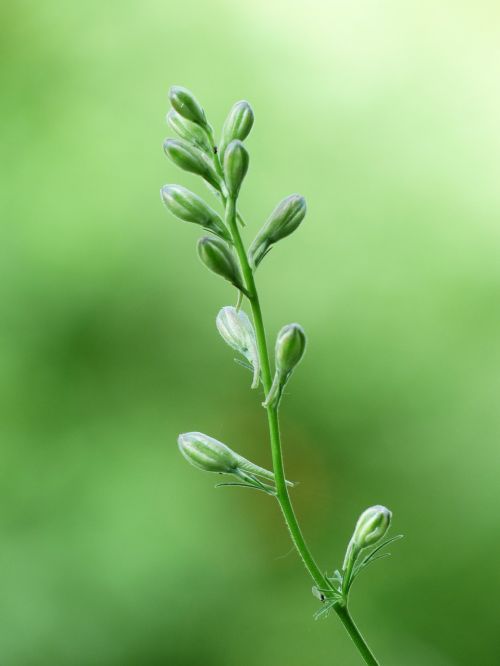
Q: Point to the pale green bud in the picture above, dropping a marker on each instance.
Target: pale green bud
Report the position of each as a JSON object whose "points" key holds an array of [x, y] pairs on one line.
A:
{"points": [[283, 221], [186, 104], [207, 453], [372, 526], [189, 207], [237, 331], [210, 455], [235, 166], [290, 347], [188, 157], [189, 131], [217, 256], [236, 126]]}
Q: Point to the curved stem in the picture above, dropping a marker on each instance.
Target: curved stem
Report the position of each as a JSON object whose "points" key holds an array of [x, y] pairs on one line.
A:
{"points": [[282, 494]]}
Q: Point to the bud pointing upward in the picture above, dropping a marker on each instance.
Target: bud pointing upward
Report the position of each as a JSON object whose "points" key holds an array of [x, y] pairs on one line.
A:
{"points": [[189, 131], [290, 348], [237, 125], [283, 221], [186, 104], [370, 529], [236, 161], [371, 526]]}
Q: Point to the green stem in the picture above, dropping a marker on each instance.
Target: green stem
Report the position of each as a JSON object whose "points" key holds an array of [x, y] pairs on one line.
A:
{"points": [[282, 494], [272, 413], [354, 633]]}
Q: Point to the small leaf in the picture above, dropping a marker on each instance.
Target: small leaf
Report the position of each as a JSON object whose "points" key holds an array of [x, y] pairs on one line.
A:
{"points": [[245, 485], [385, 543]]}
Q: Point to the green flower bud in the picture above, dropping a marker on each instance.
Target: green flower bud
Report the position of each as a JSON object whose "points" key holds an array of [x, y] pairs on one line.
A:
{"points": [[237, 331], [290, 347], [235, 166], [190, 158], [210, 455], [186, 104], [189, 131], [189, 207], [237, 125], [283, 221], [372, 526], [207, 453], [217, 256]]}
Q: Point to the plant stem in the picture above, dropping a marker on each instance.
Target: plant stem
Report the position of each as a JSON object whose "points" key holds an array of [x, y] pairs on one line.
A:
{"points": [[282, 494], [354, 633], [272, 412]]}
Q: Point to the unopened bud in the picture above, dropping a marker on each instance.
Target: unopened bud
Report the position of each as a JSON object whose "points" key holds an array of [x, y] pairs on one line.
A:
{"points": [[370, 529], [190, 158], [237, 331], [189, 207], [189, 131], [217, 256], [372, 526], [236, 126], [235, 166], [290, 347], [185, 103], [283, 221], [207, 453], [210, 455]]}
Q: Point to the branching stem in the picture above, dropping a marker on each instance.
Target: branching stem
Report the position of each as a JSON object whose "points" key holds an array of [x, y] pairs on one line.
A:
{"points": [[282, 495]]}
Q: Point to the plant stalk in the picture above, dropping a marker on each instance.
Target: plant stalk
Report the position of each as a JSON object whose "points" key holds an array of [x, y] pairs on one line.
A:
{"points": [[355, 634], [282, 494]]}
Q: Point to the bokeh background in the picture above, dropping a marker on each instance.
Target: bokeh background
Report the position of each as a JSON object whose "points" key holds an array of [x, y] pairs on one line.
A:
{"points": [[386, 116]]}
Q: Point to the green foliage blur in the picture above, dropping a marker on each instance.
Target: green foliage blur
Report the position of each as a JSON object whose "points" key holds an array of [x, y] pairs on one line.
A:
{"points": [[386, 116]]}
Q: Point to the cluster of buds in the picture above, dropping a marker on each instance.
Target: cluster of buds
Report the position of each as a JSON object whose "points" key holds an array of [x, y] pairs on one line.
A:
{"points": [[224, 169], [195, 151]]}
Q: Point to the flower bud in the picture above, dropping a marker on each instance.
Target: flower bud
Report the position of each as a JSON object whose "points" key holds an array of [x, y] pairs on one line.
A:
{"points": [[237, 125], [207, 453], [284, 219], [189, 131], [217, 256], [371, 526], [237, 331], [290, 347], [190, 158], [235, 166], [210, 455], [189, 207], [186, 104]]}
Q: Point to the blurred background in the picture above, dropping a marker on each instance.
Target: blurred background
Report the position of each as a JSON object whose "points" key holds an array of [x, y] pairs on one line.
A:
{"points": [[386, 116]]}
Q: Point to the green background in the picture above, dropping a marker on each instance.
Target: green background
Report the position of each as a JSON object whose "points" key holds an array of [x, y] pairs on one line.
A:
{"points": [[386, 116]]}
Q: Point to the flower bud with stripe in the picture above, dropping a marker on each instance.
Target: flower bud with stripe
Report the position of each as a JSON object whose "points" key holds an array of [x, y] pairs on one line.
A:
{"points": [[188, 206], [237, 331]]}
